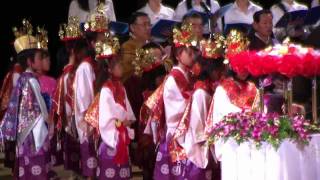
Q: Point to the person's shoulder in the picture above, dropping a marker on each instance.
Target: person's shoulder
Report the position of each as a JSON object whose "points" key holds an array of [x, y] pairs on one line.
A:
{"points": [[129, 44], [182, 3], [168, 9], [73, 3], [142, 9], [256, 6], [214, 3], [300, 6]]}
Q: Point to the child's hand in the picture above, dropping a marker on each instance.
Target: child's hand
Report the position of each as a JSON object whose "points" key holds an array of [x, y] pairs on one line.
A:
{"points": [[127, 123]]}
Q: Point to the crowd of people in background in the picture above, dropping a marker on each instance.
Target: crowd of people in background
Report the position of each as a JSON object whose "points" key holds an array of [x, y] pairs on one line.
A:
{"points": [[144, 101]]}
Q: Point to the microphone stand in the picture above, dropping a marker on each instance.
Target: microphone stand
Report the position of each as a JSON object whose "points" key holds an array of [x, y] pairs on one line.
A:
{"points": [[208, 11]]}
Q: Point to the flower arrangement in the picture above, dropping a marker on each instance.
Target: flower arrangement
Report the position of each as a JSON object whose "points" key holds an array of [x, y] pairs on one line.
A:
{"points": [[259, 127], [287, 59]]}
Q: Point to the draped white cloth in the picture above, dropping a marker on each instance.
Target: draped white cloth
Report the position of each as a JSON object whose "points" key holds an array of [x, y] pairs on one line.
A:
{"points": [[194, 140], [83, 96], [290, 162], [174, 103], [109, 112]]}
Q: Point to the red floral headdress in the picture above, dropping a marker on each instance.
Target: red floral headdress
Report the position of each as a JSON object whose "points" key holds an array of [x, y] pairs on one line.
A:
{"points": [[213, 48], [184, 36]]}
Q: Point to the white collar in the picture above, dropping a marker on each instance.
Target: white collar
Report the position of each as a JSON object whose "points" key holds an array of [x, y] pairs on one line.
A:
{"points": [[235, 6], [148, 9], [289, 5]]}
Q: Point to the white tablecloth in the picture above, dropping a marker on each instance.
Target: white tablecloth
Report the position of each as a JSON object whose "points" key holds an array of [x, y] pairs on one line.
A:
{"points": [[289, 162]]}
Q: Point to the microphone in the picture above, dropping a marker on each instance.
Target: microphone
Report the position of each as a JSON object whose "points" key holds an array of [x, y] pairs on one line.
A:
{"points": [[206, 8]]}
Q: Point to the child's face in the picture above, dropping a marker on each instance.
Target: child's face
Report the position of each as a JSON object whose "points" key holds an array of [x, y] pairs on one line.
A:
{"points": [[116, 71], [186, 57], [37, 64], [46, 64], [157, 54]]}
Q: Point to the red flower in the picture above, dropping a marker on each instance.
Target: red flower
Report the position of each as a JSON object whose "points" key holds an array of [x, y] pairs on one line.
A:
{"points": [[239, 62], [290, 65]]}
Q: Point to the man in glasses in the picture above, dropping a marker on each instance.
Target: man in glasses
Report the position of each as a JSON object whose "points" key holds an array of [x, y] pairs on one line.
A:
{"points": [[140, 33]]}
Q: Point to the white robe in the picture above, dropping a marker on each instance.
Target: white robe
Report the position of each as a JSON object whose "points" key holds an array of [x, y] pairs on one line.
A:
{"points": [[222, 105], [194, 143], [174, 103], [83, 96], [109, 112]]}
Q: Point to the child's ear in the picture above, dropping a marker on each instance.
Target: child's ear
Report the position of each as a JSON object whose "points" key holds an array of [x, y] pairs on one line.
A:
{"points": [[29, 62]]}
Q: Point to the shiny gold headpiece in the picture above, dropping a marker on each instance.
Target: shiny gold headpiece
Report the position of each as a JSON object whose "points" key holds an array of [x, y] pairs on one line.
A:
{"points": [[213, 48], [236, 42], [184, 37], [107, 48], [97, 22], [144, 59], [70, 31], [42, 38], [24, 39]]}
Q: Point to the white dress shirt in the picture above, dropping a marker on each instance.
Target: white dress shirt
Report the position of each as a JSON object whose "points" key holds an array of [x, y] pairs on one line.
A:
{"points": [[164, 13], [278, 13], [315, 3], [181, 9], [234, 15], [75, 10]]}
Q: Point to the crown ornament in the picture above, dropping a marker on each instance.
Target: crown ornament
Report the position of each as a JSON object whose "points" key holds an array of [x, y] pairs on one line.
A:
{"points": [[107, 48], [24, 38], [70, 31], [213, 48], [97, 21], [184, 36]]}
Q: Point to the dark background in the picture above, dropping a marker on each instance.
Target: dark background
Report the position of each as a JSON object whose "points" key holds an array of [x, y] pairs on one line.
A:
{"points": [[51, 13]]}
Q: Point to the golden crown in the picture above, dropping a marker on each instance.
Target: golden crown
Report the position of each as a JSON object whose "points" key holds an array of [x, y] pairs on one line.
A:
{"points": [[97, 22], [184, 36], [144, 59], [70, 31], [213, 48], [24, 39], [236, 42], [42, 38], [107, 48]]}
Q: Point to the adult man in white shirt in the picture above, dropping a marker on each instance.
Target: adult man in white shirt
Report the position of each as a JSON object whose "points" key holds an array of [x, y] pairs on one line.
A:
{"points": [[278, 10], [241, 11], [156, 11], [186, 5], [81, 9], [315, 3]]}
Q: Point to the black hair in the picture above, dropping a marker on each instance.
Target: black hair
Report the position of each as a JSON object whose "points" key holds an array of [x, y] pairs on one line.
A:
{"points": [[194, 15], [134, 16], [103, 74], [208, 65], [175, 51], [80, 49], [45, 53], [84, 5], [152, 45], [233, 74], [257, 15], [149, 78], [24, 55]]}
